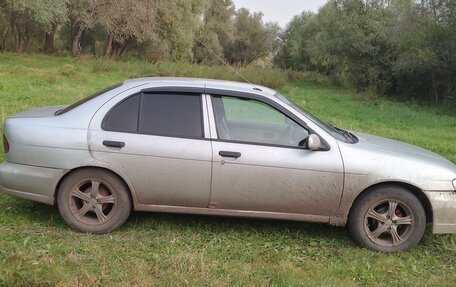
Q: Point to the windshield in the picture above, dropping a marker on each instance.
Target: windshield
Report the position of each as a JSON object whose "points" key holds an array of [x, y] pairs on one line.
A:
{"points": [[86, 99], [337, 133]]}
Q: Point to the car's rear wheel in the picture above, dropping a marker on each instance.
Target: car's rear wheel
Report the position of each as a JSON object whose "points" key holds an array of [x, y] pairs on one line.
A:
{"points": [[93, 200], [387, 219]]}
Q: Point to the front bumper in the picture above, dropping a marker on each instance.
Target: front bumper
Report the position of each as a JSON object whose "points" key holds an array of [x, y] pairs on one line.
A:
{"points": [[29, 182], [443, 210]]}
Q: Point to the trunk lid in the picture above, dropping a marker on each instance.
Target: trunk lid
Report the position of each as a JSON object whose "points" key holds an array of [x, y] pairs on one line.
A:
{"points": [[38, 112]]}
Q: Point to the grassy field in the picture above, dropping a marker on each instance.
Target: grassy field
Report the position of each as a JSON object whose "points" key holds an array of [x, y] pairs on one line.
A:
{"points": [[38, 249]]}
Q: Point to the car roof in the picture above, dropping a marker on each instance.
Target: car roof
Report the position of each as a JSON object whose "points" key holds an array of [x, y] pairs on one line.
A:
{"points": [[204, 83]]}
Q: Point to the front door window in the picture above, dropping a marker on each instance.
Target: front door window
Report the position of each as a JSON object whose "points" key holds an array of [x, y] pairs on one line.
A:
{"points": [[252, 121]]}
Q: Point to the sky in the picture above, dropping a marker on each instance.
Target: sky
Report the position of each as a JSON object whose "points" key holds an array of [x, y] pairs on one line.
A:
{"points": [[280, 11]]}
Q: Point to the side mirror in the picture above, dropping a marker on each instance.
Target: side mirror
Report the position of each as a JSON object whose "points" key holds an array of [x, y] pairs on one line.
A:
{"points": [[314, 142]]}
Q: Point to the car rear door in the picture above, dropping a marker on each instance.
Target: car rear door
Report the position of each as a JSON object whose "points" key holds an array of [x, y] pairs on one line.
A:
{"points": [[258, 164], [157, 140]]}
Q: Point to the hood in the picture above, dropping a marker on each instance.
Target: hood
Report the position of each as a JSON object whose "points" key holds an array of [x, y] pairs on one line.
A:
{"points": [[38, 113], [375, 159], [402, 150]]}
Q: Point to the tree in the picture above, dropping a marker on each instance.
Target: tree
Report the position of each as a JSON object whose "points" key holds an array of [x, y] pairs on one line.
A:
{"points": [[397, 47], [177, 23], [253, 39], [126, 22], [82, 16], [216, 32], [345, 39], [327, 43], [4, 28], [364, 37], [293, 51], [28, 17], [58, 15], [425, 37]]}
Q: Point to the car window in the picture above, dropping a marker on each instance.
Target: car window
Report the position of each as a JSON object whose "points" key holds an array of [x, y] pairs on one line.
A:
{"points": [[157, 114], [171, 115], [252, 121], [238, 110], [327, 128], [124, 116]]}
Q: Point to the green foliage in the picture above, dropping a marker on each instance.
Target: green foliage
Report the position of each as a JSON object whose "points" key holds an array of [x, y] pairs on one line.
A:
{"points": [[29, 17], [296, 39], [178, 22], [126, 23], [82, 13], [399, 48], [426, 39], [199, 31], [253, 39], [41, 13], [38, 249], [216, 32]]}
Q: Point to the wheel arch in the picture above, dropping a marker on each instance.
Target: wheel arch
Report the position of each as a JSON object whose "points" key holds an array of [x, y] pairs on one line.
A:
{"points": [[424, 200], [121, 178]]}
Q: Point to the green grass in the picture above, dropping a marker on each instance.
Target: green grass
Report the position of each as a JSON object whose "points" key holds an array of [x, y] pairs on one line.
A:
{"points": [[38, 249]]}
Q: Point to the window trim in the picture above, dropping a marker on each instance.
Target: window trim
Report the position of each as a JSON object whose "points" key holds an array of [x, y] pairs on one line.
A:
{"points": [[213, 93], [158, 92]]}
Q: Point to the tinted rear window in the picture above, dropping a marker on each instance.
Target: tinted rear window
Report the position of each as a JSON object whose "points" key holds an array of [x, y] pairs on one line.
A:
{"points": [[176, 115], [171, 115], [86, 99], [124, 116]]}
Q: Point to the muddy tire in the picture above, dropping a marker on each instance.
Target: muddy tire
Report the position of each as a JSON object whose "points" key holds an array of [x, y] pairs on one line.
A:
{"points": [[387, 219], [93, 201]]}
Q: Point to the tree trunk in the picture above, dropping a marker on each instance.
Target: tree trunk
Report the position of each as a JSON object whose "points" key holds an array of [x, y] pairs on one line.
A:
{"points": [[76, 33], [22, 32], [116, 51], [26, 42], [3, 39], [123, 49], [49, 47], [19, 40], [16, 33], [434, 87], [108, 47]]}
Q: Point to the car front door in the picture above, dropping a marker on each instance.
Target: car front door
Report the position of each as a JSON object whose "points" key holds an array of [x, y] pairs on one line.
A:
{"points": [[260, 164], [157, 141]]}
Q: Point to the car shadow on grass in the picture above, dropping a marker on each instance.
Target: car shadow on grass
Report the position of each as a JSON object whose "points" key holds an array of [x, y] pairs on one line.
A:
{"points": [[16, 211], [20, 214], [235, 226]]}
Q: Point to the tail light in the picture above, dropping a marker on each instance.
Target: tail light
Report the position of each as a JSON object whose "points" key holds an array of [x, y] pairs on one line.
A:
{"points": [[6, 146]]}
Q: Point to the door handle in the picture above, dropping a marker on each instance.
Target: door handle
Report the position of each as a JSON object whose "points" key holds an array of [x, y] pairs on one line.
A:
{"points": [[114, 144], [230, 154]]}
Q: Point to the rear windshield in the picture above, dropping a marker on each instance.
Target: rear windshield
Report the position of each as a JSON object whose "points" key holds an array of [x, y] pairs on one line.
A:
{"points": [[86, 99]]}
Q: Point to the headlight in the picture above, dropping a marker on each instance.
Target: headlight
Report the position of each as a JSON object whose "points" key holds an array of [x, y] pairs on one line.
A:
{"points": [[454, 184]]}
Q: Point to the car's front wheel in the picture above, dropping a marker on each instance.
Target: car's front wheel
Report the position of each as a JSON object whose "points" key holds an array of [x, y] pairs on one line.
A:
{"points": [[94, 201], [387, 219]]}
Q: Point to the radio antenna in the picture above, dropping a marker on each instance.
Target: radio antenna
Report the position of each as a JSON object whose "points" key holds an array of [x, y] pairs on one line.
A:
{"points": [[221, 60]]}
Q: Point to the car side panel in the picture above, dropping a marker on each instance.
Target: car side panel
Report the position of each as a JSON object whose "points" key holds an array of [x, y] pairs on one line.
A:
{"points": [[42, 142], [163, 170], [277, 179], [29, 182]]}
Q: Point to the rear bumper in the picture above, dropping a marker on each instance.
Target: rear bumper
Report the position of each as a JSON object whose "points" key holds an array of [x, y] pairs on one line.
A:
{"points": [[29, 182], [444, 211]]}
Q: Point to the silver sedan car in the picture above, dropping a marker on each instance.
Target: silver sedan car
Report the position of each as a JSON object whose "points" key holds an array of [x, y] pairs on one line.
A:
{"points": [[222, 148]]}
